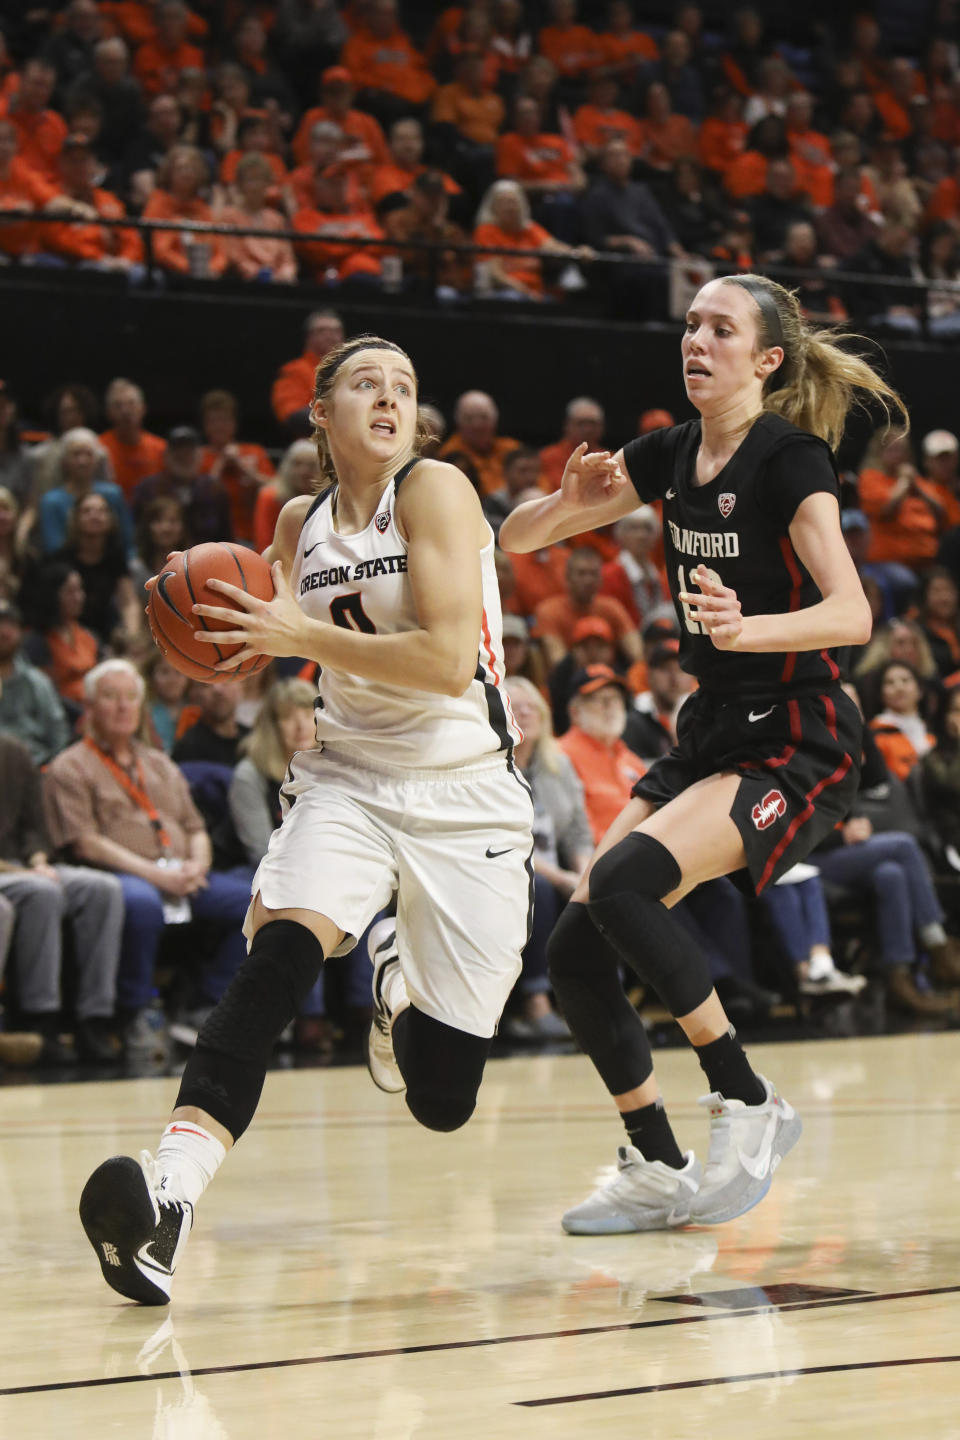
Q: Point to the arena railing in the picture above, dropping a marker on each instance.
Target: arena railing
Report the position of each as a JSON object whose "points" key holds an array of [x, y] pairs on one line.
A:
{"points": [[682, 276]]}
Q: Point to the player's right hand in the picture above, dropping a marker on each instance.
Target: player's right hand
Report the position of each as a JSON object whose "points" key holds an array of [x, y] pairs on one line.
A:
{"points": [[591, 479]]}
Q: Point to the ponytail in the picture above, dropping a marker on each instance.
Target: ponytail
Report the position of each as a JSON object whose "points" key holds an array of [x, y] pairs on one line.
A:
{"points": [[819, 382]]}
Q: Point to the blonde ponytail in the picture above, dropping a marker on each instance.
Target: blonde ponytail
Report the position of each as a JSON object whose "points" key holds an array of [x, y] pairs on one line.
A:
{"points": [[819, 382]]}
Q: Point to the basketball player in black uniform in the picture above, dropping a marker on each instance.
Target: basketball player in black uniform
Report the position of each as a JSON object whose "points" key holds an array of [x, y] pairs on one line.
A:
{"points": [[768, 748]]}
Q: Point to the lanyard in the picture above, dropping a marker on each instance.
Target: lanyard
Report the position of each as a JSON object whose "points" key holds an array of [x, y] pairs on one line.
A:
{"points": [[137, 792]]}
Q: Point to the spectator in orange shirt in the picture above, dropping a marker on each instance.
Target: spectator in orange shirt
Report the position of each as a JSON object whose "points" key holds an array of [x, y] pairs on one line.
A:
{"points": [[291, 394], [21, 188], [180, 180], [600, 120], [327, 146], [893, 100], [390, 73], [469, 104], [503, 221], [557, 617], [241, 467], [40, 130], [633, 577], [723, 134], [574, 49], [906, 512], [542, 162], [367, 145], [625, 48], [665, 137], [158, 62], [257, 257], [476, 418], [538, 574], [331, 226], [102, 247], [134, 452], [136, 20], [583, 423], [299, 474], [254, 137], [941, 453], [60, 646], [405, 163], [608, 771]]}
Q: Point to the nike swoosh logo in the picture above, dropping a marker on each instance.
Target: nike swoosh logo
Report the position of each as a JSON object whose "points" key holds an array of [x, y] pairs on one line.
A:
{"points": [[671, 494], [492, 854], [762, 715], [186, 1130], [753, 1164], [311, 550]]}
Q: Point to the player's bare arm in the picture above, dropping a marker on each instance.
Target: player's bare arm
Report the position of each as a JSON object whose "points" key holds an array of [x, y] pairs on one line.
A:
{"points": [[440, 516], [842, 617], [594, 491]]}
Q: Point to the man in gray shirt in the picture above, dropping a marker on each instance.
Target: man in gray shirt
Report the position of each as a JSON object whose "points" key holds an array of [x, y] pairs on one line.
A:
{"points": [[622, 214], [30, 707]]}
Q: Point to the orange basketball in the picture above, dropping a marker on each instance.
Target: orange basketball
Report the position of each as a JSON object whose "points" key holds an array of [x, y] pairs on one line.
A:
{"points": [[181, 584]]}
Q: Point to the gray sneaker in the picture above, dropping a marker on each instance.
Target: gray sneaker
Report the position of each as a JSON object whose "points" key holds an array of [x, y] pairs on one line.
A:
{"points": [[145, 1035], [747, 1143], [640, 1195]]}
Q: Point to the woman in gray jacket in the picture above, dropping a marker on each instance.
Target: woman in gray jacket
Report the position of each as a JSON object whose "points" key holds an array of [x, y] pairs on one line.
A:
{"points": [[562, 846]]}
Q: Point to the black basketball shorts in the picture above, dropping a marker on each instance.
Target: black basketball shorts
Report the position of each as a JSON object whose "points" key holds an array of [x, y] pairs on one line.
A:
{"points": [[798, 758]]}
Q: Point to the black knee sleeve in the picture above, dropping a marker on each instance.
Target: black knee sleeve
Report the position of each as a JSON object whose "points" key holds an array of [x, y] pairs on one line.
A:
{"points": [[225, 1073], [442, 1066], [585, 975], [627, 885]]}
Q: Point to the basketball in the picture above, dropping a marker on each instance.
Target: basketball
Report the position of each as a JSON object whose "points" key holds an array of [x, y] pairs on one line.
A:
{"points": [[181, 584]]}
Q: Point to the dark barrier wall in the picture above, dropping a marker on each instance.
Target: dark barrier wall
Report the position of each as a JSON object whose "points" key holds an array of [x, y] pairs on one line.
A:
{"points": [[177, 345]]}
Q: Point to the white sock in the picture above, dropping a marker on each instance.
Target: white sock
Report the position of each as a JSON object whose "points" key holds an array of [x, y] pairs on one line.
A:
{"points": [[188, 1157], [395, 993]]}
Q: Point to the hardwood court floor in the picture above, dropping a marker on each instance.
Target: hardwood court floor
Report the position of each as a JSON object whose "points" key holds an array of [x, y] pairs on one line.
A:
{"points": [[352, 1275]]}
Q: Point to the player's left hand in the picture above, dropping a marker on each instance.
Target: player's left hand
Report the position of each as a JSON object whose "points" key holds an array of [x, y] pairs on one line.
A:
{"points": [[262, 627], [716, 608]]}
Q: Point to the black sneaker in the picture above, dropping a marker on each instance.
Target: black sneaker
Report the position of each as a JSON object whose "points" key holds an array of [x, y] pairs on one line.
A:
{"points": [[137, 1231]]}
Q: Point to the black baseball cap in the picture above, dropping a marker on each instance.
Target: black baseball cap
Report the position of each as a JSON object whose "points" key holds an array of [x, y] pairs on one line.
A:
{"points": [[184, 435]]}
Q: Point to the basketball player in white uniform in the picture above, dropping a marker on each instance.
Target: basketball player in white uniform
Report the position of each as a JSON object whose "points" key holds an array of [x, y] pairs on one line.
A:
{"points": [[386, 579]]}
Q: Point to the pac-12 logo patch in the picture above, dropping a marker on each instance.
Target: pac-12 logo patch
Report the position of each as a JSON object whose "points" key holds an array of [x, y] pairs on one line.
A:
{"points": [[382, 521], [770, 808], [726, 502]]}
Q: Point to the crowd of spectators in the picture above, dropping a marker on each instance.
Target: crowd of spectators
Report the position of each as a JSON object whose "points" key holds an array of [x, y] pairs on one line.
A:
{"points": [[558, 134], [89, 509]]}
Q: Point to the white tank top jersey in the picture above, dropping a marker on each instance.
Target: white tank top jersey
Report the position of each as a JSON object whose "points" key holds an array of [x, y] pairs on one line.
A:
{"points": [[360, 581]]}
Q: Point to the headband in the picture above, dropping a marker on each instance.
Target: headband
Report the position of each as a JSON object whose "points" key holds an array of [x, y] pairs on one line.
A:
{"points": [[372, 344], [772, 323]]}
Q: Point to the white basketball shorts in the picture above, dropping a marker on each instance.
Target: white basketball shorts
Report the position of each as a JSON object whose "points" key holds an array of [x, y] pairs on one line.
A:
{"points": [[456, 846]]}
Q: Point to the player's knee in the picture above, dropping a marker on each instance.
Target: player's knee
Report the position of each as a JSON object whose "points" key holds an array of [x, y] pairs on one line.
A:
{"points": [[571, 943], [636, 865], [436, 1111]]}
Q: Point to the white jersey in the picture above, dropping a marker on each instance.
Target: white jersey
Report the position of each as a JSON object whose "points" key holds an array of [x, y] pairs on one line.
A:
{"points": [[360, 581]]}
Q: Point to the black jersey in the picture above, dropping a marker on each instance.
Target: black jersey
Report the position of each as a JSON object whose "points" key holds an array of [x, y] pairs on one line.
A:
{"points": [[738, 525]]}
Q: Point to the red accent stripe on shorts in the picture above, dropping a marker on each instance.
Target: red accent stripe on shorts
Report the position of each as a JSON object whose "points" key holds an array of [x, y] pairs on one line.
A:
{"points": [[488, 647], [796, 580], [828, 660], [830, 718]]}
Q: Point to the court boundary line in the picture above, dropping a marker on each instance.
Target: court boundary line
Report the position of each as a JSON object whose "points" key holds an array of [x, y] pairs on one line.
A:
{"points": [[740, 1379], [339, 1357]]}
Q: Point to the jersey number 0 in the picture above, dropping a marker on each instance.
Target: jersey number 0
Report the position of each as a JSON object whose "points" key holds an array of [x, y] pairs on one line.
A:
{"points": [[348, 612]]}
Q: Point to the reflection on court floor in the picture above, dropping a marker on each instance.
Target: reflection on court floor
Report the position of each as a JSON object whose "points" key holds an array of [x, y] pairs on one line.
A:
{"points": [[353, 1275]]}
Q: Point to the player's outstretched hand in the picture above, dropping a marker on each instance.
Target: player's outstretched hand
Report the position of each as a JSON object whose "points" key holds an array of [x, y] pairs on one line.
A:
{"points": [[717, 608], [262, 627], [591, 479]]}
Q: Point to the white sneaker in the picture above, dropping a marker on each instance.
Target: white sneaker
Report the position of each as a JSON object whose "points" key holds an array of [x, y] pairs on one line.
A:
{"points": [[823, 978], [136, 1228], [641, 1195], [389, 993], [747, 1143]]}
